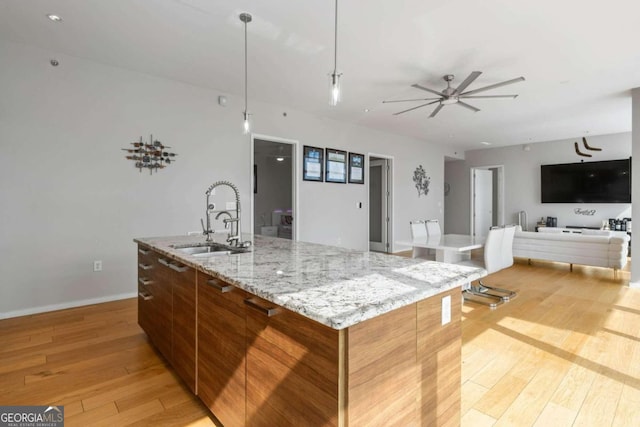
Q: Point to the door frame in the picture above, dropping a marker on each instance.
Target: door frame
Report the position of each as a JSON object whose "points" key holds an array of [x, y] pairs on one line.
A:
{"points": [[390, 203], [499, 195], [295, 172]]}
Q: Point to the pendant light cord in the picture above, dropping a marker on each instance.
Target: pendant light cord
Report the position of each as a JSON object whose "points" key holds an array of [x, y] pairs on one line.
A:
{"points": [[245, 67], [335, 38]]}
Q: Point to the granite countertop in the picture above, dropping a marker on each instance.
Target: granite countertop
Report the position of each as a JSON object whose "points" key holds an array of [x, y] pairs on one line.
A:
{"points": [[335, 286]]}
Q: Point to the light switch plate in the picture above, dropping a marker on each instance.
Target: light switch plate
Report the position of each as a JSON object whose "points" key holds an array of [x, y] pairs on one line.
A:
{"points": [[231, 206], [446, 309]]}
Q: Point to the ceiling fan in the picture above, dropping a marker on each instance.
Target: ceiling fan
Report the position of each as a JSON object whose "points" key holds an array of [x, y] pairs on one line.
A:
{"points": [[451, 95]]}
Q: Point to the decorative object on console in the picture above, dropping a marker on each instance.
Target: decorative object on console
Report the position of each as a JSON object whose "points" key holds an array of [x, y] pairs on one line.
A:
{"points": [[587, 146], [421, 181], [150, 155], [450, 95]]}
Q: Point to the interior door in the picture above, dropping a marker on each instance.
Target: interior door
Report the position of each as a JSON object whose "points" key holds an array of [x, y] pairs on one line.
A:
{"points": [[482, 201], [378, 205]]}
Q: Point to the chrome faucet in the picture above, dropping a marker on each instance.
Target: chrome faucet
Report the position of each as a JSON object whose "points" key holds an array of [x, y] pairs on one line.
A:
{"points": [[235, 238]]}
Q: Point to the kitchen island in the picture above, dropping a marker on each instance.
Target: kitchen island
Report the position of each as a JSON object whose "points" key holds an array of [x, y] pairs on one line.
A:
{"points": [[295, 333]]}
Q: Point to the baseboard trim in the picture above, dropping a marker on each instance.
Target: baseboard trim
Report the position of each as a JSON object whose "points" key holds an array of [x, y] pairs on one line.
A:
{"points": [[62, 306], [635, 285]]}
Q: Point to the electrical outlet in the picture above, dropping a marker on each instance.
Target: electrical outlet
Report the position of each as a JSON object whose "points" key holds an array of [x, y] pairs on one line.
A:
{"points": [[446, 309], [97, 265]]}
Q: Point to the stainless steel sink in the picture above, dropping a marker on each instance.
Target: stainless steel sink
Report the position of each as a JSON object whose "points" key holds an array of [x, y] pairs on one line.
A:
{"points": [[207, 250]]}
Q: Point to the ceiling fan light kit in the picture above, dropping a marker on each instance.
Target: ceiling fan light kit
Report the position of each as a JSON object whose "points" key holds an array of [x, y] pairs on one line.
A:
{"points": [[450, 95]]}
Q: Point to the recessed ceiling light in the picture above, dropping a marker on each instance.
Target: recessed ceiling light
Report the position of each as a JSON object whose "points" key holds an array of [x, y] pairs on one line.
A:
{"points": [[280, 159], [54, 18], [485, 143], [366, 110]]}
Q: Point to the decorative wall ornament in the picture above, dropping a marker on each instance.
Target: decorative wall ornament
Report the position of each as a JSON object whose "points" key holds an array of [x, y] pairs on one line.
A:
{"points": [[150, 155], [587, 212], [421, 180], [587, 146]]}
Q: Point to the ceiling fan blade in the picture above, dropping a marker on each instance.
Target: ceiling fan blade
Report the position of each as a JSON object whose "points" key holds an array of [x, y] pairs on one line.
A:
{"points": [[415, 108], [487, 96], [417, 86], [470, 107], [474, 75], [436, 111], [482, 89], [408, 100]]}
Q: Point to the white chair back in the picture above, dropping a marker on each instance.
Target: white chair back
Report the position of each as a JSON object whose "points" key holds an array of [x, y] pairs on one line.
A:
{"points": [[493, 260], [433, 227], [507, 246], [418, 229]]}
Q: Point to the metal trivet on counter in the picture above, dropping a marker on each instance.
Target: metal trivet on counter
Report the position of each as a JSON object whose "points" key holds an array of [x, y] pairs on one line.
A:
{"points": [[150, 155]]}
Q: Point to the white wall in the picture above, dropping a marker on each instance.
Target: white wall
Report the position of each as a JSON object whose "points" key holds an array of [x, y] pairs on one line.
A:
{"points": [[522, 181], [69, 197]]}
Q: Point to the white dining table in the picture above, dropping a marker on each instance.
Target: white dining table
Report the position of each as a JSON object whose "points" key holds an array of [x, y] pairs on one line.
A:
{"points": [[451, 248]]}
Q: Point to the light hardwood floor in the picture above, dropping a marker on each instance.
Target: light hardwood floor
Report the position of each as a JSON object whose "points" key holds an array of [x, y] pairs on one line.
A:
{"points": [[565, 352]]}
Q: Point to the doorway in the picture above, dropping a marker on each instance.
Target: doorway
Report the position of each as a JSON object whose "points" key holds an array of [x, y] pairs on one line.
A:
{"points": [[380, 207], [274, 211], [487, 199]]}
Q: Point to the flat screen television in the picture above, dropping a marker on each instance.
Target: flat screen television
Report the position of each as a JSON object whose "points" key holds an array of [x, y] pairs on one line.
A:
{"points": [[588, 182]]}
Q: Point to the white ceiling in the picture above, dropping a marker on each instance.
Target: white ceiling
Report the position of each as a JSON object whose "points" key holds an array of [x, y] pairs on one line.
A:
{"points": [[580, 58]]}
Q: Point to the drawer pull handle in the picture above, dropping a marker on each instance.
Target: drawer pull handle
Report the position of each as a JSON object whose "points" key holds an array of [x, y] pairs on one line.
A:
{"points": [[268, 311], [163, 262], [145, 297], [224, 289], [144, 281], [178, 268], [144, 251], [145, 266]]}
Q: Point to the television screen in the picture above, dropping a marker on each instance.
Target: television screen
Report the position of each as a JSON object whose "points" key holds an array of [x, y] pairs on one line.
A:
{"points": [[588, 182]]}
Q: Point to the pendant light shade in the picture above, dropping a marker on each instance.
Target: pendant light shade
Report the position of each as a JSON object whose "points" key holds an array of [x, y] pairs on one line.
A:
{"points": [[334, 78], [246, 124]]}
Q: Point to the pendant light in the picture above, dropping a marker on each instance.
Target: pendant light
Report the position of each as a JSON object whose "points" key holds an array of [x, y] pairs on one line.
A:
{"points": [[246, 18], [335, 77]]}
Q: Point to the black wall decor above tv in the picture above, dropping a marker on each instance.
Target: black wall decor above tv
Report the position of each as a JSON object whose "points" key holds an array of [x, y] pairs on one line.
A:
{"points": [[587, 182]]}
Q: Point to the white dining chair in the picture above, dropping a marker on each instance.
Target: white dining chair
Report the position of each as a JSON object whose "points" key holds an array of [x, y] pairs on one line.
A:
{"points": [[433, 230], [498, 255], [419, 232], [433, 227]]}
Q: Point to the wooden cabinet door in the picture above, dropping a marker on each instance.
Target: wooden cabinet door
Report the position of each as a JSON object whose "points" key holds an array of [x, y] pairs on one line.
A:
{"points": [[183, 332], [292, 368], [221, 349], [163, 306]]}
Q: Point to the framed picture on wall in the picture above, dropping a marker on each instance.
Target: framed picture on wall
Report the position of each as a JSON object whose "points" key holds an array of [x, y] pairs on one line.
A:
{"points": [[313, 163], [356, 168], [336, 166]]}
